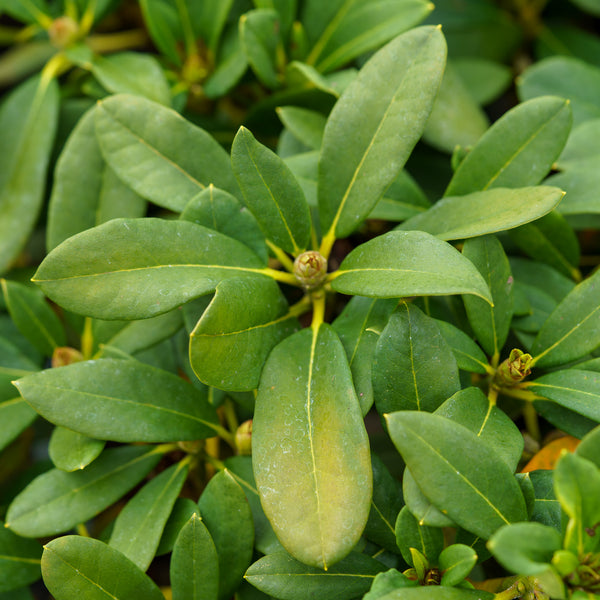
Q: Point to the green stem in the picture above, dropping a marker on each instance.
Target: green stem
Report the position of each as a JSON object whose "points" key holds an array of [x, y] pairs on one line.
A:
{"points": [[282, 257], [87, 339], [113, 42], [520, 393], [230, 416], [165, 448], [225, 435], [281, 276], [531, 421], [219, 465], [318, 300], [327, 243], [300, 307]]}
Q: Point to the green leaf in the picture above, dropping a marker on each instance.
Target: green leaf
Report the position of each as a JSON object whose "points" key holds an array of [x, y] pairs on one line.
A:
{"points": [[489, 211], [385, 506], [231, 65], [577, 486], [525, 548], [183, 509], [359, 326], [271, 192], [362, 152], [86, 192], [456, 119], [228, 518], [491, 324], [16, 415], [413, 368], [590, 447], [19, 560], [306, 125], [281, 575], [518, 150], [310, 450], [28, 119], [163, 25], [546, 508], [407, 263], [219, 210], [56, 501], [456, 562], [70, 450], [582, 149], [210, 18], [573, 328], [125, 401], [420, 506], [410, 534], [579, 186], [387, 582], [542, 276], [469, 356], [259, 32], [550, 240], [485, 79], [139, 526], [437, 593], [75, 566], [157, 153], [439, 454], [359, 27], [576, 390], [105, 272], [194, 564], [245, 320], [567, 77], [472, 409], [33, 316]]}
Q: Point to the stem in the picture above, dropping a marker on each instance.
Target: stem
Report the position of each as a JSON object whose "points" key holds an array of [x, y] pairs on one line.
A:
{"points": [[282, 257], [318, 300], [519, 393], [82, 530], [225, 435], [87, 339], [219, 465], [165, 448], [113, 42], [493, 395], [300, 307], [327, 243], [87, 19], [230, 416], [281, 276], [531, 421]]}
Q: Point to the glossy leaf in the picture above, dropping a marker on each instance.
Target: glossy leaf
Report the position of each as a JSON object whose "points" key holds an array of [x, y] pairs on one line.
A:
{"points": [[480, 213], [439, 453], [271, 193], [231, 65], [360, 27], [525, 548], [16, 415], [573, 328], [75, 566], [429, 541], [469, 356], [576, 390], [194, 564], [589, 446], [546, 508], [568, 77], [245, 320], [579, 186], [359, 327], [28, 120], [124, 401], [33, 316], [407, 263], [456, 562], [485, 79], [19, 560], [490, 323], [281, 575], [260, 36], [228, 518], [582, 148], [86, 192], [456, 119], [420, 506], [362, 153], [183, 509], [157, 153], [437, 593], [139, 526], [309, 448], [306, 125], [70, 450], [105, 272], [518, 150], [413, 368], [56, 501], [219, 210]]}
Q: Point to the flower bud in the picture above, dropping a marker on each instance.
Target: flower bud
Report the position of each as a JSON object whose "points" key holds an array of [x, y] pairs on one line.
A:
{"points": [[310, 269], [63, 32], [243, 438], [63, 356], [514, 369]]}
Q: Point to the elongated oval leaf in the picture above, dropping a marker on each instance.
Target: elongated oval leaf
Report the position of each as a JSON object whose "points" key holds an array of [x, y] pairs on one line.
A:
{"points": [[70, 450], [429, 541], [574, 389], [271, 192], [440, 454], [139, 526], [138, 268], [244, 322], [437, 593], [479, 213], [194, 563], [160, 155], [260, 36], [28, 121], [125, 401], [81, 567], [16, 415], [19, 560], [573, 328], [349, 578], [228, 518], [362, 150], [413, 368], [518, 150], [407, 263], [56, 501], [310, 450], [469, 356], [307, 126]]}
